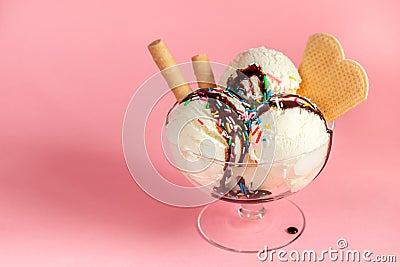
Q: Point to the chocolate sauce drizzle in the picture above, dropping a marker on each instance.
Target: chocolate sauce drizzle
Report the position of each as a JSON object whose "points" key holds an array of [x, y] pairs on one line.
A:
{"points": [[236, 84], [288, 101], [230, 124]]}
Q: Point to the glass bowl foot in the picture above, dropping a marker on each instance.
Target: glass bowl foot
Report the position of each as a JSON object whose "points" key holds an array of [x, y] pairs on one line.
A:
{"points": [[248, 228]]}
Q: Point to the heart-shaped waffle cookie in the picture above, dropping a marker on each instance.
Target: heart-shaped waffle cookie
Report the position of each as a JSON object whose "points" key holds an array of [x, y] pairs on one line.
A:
{"points": [[329, 80]]}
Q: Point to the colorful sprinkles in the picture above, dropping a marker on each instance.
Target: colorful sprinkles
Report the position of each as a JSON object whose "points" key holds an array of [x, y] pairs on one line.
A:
{"points": [[279, 81], [265, 82]]}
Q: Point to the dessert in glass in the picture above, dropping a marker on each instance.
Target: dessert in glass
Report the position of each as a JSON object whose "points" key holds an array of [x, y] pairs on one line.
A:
{"points": [[255, 137], [249, 159]]}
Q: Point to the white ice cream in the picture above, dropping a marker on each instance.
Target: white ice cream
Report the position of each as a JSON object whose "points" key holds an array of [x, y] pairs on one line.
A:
{"points": [[281, 74], [197, 146], [301, 144], [296, 131]]}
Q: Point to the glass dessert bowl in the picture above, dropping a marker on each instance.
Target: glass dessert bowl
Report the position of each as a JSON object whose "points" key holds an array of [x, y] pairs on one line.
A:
{"points": [[250, 211]]}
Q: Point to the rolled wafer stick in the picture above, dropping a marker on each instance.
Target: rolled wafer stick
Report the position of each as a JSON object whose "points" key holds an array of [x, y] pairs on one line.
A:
{"points": [[202, 70], [171, 72]]}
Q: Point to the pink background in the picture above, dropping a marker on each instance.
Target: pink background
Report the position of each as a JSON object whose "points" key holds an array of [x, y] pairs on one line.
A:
{"points": [[67, 72]]}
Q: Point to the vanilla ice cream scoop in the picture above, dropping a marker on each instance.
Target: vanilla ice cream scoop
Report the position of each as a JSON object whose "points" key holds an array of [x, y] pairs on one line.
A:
{"points": [[206, 130], [264, 70], [301, 140]]}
